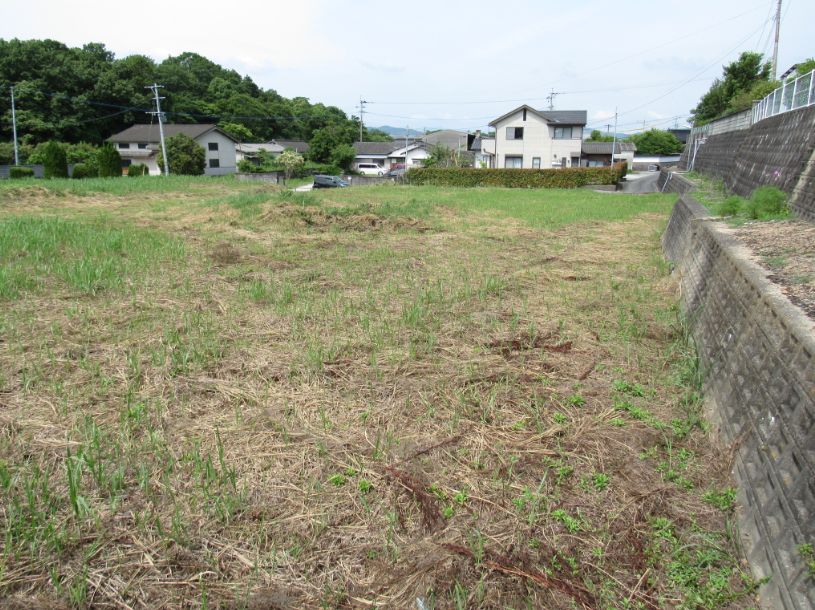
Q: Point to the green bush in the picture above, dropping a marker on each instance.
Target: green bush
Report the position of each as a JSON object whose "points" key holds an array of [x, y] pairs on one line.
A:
{"points": [[20, 172], [517, 178], [731, 206], [83, 170], [109, 162], [769, 201], [137, 170], [55, 161], [185, 156]]}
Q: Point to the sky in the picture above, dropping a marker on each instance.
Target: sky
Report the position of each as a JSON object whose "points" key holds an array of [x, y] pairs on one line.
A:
{"points": [[449, 63]]}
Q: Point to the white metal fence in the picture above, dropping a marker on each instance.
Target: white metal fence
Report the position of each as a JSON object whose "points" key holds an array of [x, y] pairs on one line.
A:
{"points": [[791, 95]]}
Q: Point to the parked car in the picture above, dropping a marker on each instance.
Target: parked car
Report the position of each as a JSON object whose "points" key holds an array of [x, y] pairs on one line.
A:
{"points": [[328, 182], [399, 172], [370, 169]]}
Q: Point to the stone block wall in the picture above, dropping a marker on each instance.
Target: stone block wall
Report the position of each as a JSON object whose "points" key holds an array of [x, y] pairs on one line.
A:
{"points": [[671, 182], [776, 151], [758, 352]]}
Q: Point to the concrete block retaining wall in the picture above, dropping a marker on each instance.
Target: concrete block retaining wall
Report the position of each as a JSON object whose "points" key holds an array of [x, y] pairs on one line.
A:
{"points": [[673, 182], [778, 151], [758, 352]]}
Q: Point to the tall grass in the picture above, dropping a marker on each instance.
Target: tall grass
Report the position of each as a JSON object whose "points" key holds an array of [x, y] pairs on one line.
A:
{"points": [[87, 257]]}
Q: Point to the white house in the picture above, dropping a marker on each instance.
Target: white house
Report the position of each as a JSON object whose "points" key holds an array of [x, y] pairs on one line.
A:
{"points": [[141, 143], [538, 139], [483, 150], [388, 155]]}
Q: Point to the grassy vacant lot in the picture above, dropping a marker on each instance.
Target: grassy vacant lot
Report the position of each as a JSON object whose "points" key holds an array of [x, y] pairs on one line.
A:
{"points": [[224, 395]]}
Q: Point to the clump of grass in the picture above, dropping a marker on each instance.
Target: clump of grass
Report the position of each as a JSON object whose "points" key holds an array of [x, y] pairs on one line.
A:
{"points": [[768, 202], [731, 206]]}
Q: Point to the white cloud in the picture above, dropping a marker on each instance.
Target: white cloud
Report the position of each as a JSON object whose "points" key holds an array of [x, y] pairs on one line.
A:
{"points": [[602, 115]]}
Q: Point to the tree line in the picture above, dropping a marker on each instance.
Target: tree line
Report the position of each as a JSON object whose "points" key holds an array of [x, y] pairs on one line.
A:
{"points": [[86, 94]]}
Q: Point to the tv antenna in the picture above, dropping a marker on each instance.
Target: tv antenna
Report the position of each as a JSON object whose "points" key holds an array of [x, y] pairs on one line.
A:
{"points": [[551, 98]]}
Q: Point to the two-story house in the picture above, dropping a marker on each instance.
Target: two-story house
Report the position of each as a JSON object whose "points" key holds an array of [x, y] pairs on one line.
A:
{"points": [[141, 143], [539, 139]]}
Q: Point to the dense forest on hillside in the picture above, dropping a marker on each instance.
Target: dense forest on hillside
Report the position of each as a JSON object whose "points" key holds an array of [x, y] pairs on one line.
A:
{"points": [[87, 94]]}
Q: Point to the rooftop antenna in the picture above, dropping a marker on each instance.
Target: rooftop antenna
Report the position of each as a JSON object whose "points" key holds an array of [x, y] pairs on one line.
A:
{"points": [[551, 98]]}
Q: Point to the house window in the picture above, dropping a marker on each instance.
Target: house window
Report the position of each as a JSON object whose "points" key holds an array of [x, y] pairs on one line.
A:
{"points": [[515, 133], [213, 163], [142, 145], [563, 133], [124, 144], [513, 162], [212, 145], [536, 162]]}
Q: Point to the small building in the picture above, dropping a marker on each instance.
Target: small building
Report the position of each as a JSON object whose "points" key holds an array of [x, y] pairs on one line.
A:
{"points": [[390, 155], [538, 139], [598, 154], [654, 163], [483, 150], [245, 151], [141, 144]]}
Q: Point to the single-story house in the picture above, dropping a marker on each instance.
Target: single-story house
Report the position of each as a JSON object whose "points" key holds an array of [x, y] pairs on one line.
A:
{"points": [[251, 151], [141, 143], [537, 139], [298, 146], [596, 154], [391, 154]]}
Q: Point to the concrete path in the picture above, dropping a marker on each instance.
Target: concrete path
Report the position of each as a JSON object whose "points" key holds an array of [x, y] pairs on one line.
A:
{"points": [[641, 183]]}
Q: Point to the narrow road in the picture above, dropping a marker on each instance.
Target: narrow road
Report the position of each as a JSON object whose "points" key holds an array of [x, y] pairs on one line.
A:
{"points": [[641, 183]]}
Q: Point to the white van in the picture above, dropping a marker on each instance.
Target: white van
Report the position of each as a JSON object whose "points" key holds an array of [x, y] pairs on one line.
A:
{"points": [[370, 169]]}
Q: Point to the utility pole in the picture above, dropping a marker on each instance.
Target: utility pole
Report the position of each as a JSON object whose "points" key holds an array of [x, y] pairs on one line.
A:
{"points": [[608, 127], [777, 34], [551, 98], [362, 103], [154, 88], [407, 130], [14, 128], [614, 141]]}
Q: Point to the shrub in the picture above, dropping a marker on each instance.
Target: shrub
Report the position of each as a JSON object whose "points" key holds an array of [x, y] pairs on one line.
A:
{"points": [[55, 160], [769, 201], [20, 172], [185, 156], [109, 162], [517, 178], [731, 206], [83, 170], [137, 170]]}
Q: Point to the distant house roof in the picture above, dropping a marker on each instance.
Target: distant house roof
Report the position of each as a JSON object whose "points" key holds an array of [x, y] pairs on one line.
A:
{"points": [[254, 148], [681, 134], [296, 145], [451, 138], [561, 117], [604, 148], [376, 148], [150, 133]]}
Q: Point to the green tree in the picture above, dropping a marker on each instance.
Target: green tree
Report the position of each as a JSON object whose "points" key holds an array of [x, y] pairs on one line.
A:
{"points": [[343, 156], [738, 78], [656, 142], [597, 136], [291, 161], [108, 162], [55, 161], [237, 131], [184, 156], [325, 140]]}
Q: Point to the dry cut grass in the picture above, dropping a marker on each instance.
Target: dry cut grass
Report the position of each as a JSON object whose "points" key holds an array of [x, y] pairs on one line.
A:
{"points": [[247, 399]]}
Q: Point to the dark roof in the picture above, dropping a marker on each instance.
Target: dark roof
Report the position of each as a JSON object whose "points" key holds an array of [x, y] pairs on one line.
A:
{"points": [[150, 133], [377, 148], [565, 117], [681, 134], [476, 145], [561, 117], [604, 148], [296, 145]]}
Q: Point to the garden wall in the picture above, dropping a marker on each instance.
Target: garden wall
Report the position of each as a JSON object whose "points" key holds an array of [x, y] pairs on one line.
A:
{"points": [[758, 353], [779, 150]]}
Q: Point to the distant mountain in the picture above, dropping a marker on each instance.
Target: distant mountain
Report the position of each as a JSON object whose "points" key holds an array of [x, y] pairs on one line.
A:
{"points": [[399, 132]]}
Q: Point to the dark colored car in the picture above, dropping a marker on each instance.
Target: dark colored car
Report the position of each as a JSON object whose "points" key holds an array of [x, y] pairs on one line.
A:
{"points": [[328, 182]]}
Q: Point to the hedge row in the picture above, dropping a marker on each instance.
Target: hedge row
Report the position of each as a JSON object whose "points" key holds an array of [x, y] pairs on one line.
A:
{"points": [[517, 178]]}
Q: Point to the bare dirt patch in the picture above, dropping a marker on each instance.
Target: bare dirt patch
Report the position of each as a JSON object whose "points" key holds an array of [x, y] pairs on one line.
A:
{"points": [[786, 249]]}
